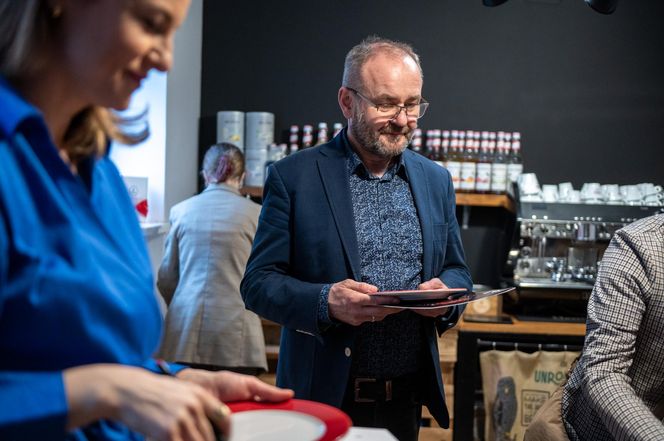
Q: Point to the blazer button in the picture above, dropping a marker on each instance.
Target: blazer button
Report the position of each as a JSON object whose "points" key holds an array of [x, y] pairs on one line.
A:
{"points": [[347, 352]]}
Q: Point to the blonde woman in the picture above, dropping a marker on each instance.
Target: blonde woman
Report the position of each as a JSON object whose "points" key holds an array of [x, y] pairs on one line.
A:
{"points": [[78, 318]]}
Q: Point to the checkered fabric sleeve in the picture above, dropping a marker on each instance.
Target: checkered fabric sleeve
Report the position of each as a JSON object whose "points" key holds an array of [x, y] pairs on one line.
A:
{"points": [[620, 379]]}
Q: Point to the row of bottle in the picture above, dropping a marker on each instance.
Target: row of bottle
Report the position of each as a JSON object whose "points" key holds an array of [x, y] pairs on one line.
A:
{"points": [[479, 162], [301, 139]]}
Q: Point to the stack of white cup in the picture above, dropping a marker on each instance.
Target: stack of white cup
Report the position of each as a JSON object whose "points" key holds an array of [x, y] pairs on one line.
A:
{"points": [[259, 134], [609, 194], [645, 193]]}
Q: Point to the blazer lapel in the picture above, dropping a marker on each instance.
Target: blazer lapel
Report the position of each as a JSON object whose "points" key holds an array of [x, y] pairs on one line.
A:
{"points": [[332, 168], [420, 189]]}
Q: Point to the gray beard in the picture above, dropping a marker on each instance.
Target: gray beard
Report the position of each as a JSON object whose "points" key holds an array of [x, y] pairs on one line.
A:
{"points": [[370, 141]]}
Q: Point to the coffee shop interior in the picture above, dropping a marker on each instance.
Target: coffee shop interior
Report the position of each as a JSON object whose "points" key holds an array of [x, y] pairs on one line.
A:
{"points": [[578, 92]]}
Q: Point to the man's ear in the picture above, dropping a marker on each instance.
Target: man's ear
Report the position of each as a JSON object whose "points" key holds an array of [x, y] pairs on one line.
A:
{"points": [[345, 102]]}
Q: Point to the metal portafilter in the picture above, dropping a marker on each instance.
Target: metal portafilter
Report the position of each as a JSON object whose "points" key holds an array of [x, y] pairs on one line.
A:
{"points": [[586, 232]]}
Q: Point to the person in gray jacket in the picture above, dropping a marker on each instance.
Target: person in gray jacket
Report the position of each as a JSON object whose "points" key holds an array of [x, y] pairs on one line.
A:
{"points": [[207, 248]]}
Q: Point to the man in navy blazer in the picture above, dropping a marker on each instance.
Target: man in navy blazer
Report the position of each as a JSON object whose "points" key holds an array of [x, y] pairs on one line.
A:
{"points": [[345, 219]]}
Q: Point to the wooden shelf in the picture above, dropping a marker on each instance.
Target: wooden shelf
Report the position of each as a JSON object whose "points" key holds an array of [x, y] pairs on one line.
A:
{"points": [[486, 200], [523, 327], [471, 199], [254, 192]]}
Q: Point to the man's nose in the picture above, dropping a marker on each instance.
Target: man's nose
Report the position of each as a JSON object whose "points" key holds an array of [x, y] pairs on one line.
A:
{"points": [[401, 118]]}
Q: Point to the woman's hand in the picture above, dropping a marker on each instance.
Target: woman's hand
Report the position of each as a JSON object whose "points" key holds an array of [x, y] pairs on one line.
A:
{"points": [[157, 406], [229, 386]]}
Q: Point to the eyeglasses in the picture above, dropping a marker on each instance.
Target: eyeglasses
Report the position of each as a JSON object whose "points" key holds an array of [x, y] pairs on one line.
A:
{"points": [[392, 111]]}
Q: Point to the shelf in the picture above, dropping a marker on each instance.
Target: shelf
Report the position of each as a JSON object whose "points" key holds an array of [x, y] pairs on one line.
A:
{"points": [[486, 200], [471, 199], [254, 192], [545, 283], [152, 229], [523, 327]]}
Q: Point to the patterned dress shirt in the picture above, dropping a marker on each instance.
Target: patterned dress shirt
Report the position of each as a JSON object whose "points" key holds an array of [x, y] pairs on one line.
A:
{"points": [[389, 238]]}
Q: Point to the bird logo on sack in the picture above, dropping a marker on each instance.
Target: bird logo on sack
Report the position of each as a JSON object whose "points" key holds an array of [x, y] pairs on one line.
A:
{"points": [[504, 409]]}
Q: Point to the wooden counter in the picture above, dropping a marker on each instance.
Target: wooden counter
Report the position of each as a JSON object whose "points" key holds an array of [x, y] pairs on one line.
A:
{"points": [[519, 327]]}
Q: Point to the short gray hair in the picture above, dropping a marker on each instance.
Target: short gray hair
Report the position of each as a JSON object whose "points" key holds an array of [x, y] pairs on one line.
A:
{"points": [[222, 161], [367, 48]]}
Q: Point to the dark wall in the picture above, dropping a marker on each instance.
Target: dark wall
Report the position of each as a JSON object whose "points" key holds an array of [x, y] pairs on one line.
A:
{"points": [[585, 89]]}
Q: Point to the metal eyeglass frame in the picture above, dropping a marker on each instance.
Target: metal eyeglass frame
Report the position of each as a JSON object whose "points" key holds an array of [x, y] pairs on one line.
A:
{"points": [[423, 105]]}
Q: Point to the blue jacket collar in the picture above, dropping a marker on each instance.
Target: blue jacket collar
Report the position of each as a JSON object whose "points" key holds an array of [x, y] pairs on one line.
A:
{"points": [[14, 109]]}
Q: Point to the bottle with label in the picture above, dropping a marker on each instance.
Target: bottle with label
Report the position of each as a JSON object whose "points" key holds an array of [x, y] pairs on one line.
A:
{"points": [[445, 146], [435, 155], [462, 139], [337, 128], [484, 163], [428, 143], [321, 137], [515, 161], [499, 167], [454, 163], [468, 165], [307, 136], [294, 138], [416, 141]]}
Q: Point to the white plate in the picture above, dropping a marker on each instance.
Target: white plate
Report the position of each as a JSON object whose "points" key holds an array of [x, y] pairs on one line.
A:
{"points": [[275, 425], [421, 294]]}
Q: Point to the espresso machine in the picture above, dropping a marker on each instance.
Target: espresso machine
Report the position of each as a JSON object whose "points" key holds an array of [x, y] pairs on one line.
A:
{"points": [[556, 251]]}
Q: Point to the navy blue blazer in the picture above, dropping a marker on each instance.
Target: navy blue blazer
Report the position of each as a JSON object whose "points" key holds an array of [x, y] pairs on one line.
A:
{"points": [[306, 238]]}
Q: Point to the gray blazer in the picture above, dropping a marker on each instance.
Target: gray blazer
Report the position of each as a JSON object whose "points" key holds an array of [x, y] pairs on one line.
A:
{"points": [[614, 389], [206, 252]]}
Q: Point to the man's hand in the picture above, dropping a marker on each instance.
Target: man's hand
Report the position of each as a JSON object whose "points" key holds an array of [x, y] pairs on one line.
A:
{"points": [[434, 283], [351, 302]]}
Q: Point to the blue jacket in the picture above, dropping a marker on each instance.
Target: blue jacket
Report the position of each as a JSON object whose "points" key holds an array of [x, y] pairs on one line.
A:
{"points": [[306, 238], [75, 281]]}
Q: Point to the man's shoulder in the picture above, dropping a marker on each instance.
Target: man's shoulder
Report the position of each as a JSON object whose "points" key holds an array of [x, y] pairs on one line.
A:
{"points": [[427, 165], [650, 227]]}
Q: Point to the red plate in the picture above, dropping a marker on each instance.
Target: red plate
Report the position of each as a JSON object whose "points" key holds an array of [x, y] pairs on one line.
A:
{"points": [[336, 422]]}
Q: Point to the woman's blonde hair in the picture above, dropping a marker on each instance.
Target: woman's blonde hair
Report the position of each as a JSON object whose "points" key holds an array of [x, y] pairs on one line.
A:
{"points": [[26, 29]]}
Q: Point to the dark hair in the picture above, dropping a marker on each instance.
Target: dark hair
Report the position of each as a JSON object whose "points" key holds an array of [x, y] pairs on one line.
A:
{"points": [[221, 162], [27, 28]]}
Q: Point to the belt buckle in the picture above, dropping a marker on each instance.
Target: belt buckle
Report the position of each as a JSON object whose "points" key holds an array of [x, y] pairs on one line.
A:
{"points": [[359, 381]]}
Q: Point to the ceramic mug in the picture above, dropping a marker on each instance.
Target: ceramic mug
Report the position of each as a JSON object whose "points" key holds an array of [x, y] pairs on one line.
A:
{"points": [[591, 192], [528, 184], [550, 193], [565, 190]]}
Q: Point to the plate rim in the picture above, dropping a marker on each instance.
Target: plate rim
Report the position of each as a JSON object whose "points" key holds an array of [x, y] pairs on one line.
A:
{"points": [[337, 422]]}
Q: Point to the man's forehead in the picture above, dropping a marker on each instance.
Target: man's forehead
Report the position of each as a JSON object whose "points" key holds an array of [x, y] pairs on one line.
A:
{"points": [[384, 73]]}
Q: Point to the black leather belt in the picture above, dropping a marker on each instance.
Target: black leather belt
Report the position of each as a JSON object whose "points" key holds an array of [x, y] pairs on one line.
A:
{"points": [[370, 390]]}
